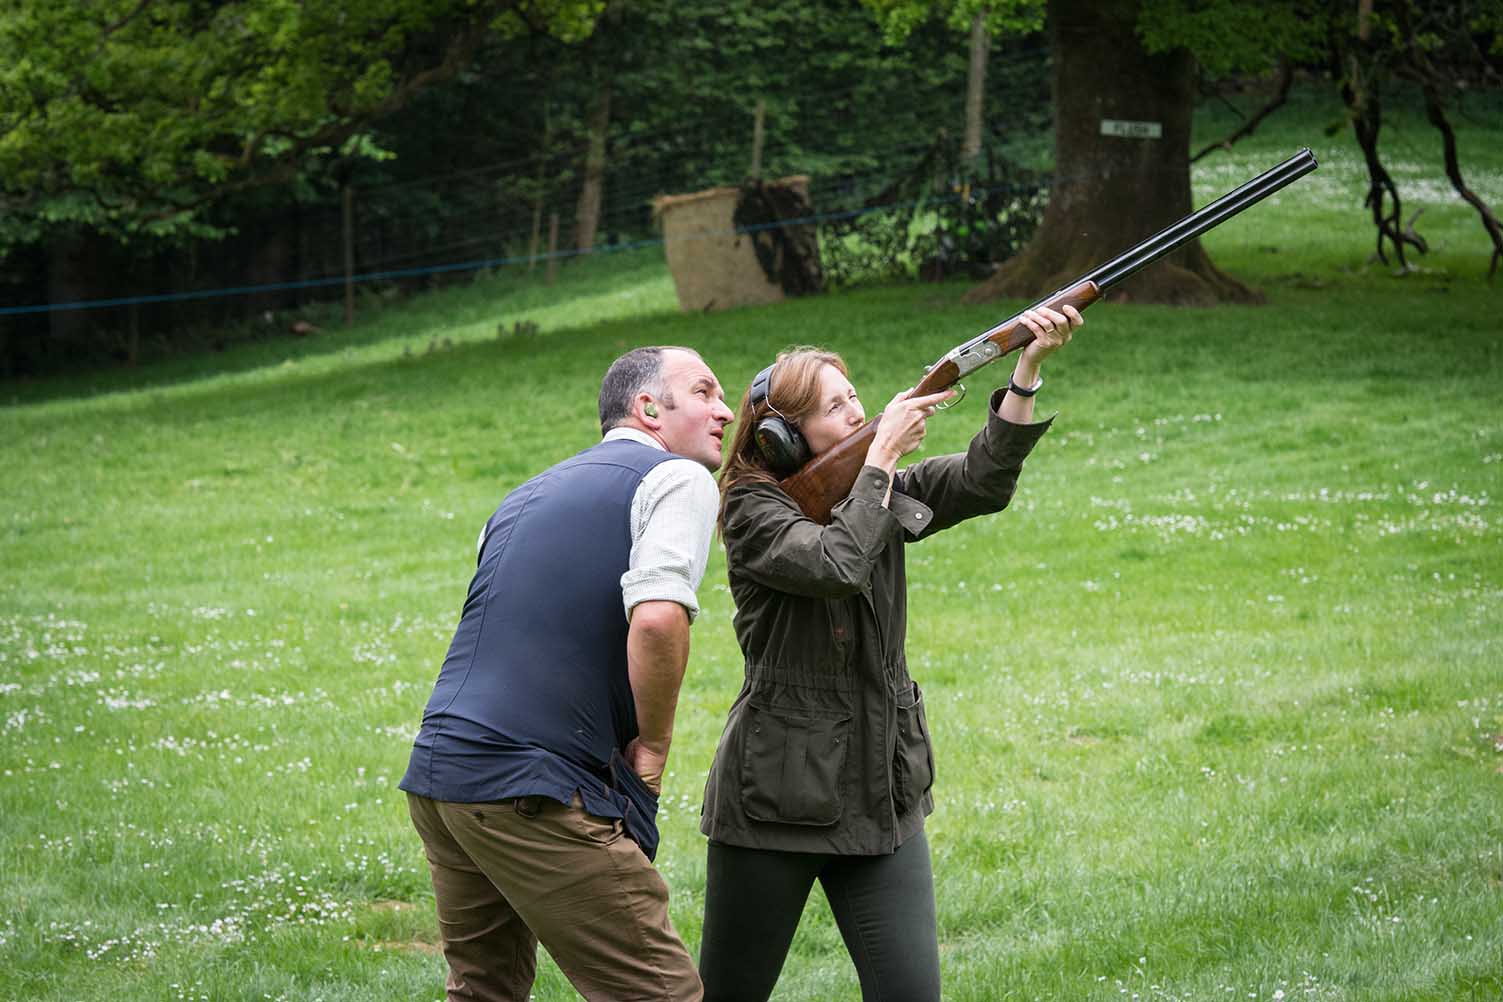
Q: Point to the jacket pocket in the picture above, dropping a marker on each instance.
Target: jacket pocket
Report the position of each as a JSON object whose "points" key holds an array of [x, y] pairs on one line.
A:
{"points": [[913, 758], [791, 764]]}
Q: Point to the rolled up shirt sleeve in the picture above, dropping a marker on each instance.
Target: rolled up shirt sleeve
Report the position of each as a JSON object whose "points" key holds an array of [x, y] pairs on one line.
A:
{"points": [[672, 523]]}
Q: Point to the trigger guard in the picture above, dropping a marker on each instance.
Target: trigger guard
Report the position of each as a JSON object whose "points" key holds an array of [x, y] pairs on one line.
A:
{"points": [[960, 395]]}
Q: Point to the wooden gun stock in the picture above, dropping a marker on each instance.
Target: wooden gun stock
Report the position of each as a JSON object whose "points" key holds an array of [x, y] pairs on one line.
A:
{"points": [[824, 481]]}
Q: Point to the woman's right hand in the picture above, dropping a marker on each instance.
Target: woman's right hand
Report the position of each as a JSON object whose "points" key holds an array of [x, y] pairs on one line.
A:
{"points": [[902, 427]]}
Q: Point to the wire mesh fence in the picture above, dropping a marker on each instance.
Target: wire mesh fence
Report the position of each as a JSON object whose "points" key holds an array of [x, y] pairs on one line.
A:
{"points": [[909, 207]]}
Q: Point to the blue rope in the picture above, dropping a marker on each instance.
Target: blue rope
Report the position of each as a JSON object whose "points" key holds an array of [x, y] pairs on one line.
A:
{"points": [[477, 265]]}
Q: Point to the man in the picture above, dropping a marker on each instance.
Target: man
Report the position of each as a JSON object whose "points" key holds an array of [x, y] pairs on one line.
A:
{"points": [[533, 781]]}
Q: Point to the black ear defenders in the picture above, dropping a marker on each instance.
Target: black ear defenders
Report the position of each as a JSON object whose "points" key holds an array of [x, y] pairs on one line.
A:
{"points": [[778, 441]]}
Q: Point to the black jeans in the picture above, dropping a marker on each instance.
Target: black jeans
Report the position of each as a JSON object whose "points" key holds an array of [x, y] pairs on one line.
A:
{"points": [[884, 906]]}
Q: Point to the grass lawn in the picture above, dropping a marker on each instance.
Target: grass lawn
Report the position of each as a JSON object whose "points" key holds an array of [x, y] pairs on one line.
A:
{"points": [[1218, 704]]}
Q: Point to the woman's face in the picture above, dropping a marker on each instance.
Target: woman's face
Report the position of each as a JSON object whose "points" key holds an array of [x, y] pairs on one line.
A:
{"points": [[837, 414]]}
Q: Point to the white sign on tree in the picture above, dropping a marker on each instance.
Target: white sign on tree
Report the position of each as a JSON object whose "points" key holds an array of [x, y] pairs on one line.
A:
{"points": [[1131, 130]]}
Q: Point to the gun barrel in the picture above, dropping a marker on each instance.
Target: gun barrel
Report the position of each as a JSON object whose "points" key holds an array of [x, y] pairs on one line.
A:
{"points": [[827, 478], [1168, 239]]}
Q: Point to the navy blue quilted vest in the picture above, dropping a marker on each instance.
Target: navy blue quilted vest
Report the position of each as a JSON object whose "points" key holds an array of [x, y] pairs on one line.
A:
{"points": [[533, 697]]}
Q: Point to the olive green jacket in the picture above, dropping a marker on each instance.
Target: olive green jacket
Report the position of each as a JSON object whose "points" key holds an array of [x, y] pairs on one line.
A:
{"points": [[827, 747]]}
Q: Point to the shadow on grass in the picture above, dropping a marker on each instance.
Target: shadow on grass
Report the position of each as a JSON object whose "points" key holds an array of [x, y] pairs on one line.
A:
{"points": [[557, 370], [495, 299]]}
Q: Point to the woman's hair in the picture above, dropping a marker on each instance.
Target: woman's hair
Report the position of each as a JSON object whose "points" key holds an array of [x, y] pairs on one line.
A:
{"points": [[793, 392]]}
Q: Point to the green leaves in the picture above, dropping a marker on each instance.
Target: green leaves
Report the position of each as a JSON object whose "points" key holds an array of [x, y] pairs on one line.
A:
{"points": [[1004, 18], [151, 111], [1231, 37]]}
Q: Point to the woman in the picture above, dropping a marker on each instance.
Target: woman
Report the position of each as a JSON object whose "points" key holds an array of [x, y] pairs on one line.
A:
{"points": [[824, 768]]}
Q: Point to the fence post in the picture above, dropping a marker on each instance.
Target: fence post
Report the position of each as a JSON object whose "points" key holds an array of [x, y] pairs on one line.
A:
{"points": [[757, 127], [349, 255], [537, 227], [552, 247], [133, 349], [540, 187]]}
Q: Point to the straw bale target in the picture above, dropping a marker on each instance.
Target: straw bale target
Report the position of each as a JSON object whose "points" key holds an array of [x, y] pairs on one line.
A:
{"points": [[716, 268]]}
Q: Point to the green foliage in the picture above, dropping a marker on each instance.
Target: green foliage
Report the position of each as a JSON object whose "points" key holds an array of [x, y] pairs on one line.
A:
{"points": [[944, 216], [838, 97], [899, 18], [123, 116], [1229, 37]]}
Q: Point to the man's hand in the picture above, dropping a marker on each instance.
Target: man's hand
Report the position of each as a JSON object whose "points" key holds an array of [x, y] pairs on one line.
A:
{"points": [[647, 761], [657, 650]]}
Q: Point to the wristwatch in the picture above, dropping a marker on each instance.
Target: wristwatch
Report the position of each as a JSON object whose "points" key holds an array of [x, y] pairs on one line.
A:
{"points": [[1015, 388]]}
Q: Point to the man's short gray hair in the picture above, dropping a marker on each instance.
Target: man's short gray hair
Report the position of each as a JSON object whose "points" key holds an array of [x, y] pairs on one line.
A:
{"points": [[638, 370]]}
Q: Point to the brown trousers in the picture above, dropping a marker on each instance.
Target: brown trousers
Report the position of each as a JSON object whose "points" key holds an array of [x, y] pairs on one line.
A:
{"points": [[507, 875]]}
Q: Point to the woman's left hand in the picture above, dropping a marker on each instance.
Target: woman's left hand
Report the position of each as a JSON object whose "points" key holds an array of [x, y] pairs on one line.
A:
{"points": [[1051, 331]]}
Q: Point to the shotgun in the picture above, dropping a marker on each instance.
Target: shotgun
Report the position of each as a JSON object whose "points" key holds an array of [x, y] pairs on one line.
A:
{"points": [[824, 481]]}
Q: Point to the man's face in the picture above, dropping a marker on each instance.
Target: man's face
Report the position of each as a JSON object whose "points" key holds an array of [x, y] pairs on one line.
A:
{"points": [[694, 425]]}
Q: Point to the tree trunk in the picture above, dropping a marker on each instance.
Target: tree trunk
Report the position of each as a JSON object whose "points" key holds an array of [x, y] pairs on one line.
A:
{"points": [[975, 87], [587, 214], [1110, 191]]}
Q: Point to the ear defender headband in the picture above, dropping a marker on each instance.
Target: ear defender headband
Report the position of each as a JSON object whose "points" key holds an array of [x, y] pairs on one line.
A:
{"points": [[778, 440]]}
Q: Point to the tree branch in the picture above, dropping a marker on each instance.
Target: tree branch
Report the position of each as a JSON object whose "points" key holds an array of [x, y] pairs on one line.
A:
{"points": [[458, 54], [110, 29], [1436, 113], [1429, 80], [1281, 95], [1363, 107]]}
